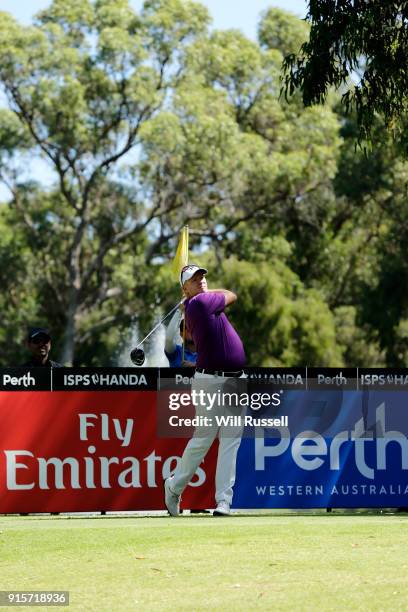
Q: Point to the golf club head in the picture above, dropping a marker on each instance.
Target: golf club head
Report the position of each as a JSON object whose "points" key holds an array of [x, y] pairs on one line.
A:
{"points": [[138, 356]]}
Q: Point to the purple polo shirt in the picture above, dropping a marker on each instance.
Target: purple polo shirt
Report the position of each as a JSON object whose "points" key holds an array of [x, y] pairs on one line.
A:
{"points": [[218, 345]]}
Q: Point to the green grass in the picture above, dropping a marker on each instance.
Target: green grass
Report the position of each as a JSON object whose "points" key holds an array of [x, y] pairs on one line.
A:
{"points": [[261, 562]]}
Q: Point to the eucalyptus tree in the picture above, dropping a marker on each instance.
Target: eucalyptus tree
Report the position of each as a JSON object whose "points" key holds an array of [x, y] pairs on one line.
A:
{"points": [[360, 47], [82, 81]]}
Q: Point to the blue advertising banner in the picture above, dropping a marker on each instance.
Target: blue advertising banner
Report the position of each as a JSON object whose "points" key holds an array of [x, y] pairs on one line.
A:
{"points": [[340, 449]]}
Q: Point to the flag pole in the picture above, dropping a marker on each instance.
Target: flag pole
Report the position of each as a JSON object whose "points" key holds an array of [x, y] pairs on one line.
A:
{"points": [[184, 317]]}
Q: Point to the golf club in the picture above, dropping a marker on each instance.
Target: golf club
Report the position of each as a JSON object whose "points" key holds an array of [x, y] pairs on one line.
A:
{"points": [[137, 354]]}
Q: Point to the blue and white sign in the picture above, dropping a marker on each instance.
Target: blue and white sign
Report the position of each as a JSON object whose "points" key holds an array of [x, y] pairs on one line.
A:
{"points": [[341, 449]]}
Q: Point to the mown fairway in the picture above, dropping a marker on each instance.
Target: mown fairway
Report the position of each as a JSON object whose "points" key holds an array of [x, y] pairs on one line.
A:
{"points": [[276, 561]]}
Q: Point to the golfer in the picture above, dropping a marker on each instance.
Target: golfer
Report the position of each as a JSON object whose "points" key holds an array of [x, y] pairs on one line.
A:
{"points": [[220, 358]]}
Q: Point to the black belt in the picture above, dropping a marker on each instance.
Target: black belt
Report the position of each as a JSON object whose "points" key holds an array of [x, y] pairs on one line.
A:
{"points": [[234, 374]]}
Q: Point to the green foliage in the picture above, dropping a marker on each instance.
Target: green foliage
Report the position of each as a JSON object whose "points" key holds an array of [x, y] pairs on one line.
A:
{"points": [[18, 297], [385, 302], [278, 29], [365, 38], [13, 136], [149, 122], [280, 321], [169, 23], [358, 344]]}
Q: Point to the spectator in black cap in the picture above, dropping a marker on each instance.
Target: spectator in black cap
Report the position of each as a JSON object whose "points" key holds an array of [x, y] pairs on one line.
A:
{"points": [[39, 345]]}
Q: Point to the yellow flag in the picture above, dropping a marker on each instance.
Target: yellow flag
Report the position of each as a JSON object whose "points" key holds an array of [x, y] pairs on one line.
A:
{"points": [[181, 258]]}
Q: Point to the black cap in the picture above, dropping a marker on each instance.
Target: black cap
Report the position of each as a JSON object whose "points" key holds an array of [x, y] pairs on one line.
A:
{"points": [[34, 332]]}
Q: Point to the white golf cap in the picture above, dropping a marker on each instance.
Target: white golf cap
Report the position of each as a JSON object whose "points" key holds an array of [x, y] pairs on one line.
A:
{"points": [[188, 272]]}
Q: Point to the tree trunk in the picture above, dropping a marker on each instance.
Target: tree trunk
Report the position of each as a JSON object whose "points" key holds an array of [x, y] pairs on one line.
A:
{"points": [[68, 347]]}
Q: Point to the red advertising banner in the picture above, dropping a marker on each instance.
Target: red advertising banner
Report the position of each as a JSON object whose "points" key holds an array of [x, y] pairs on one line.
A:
{"points": [[86, 451]]}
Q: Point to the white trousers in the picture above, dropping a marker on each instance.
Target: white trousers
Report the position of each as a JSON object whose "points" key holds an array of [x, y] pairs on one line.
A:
{"points": [[196, 449]]}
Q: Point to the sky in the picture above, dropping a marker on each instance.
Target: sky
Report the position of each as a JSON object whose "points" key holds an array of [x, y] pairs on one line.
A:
{"points": [[241, 14]]}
